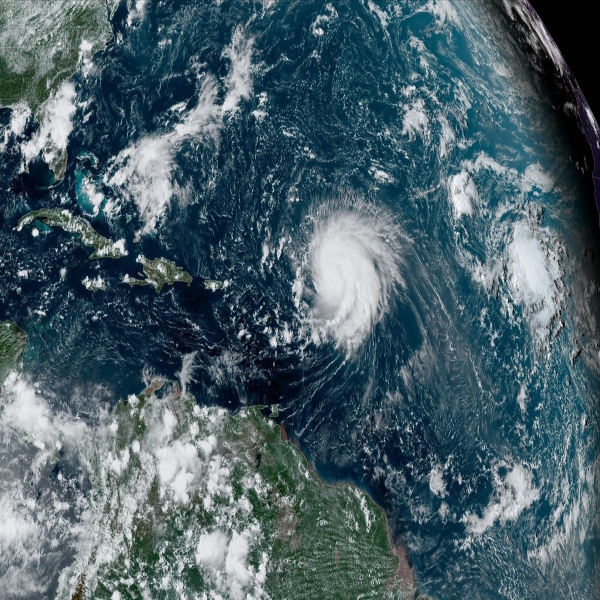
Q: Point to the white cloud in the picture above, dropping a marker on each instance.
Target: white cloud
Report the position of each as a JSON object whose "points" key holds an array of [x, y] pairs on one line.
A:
{"points": [[212, 549], [137, 11], [56, 116], [145, 175], [236, 567], [178, 465], [447, 137], [29, 415], [19, 117], [118, 463], [534, 275], [177, 449], [463, 194], [415, 121], [536, 178], [513, 494], [443, 11], [32, 524], [436, 481], [144, 170], [239, 78], [187, 369]]}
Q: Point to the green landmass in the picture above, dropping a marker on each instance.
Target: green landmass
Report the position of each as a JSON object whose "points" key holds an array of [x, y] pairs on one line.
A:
{"points": [[13, 342], [87, 235], [196, 499], [41, 41], [158, 272], [329, 541], [197, 502]]}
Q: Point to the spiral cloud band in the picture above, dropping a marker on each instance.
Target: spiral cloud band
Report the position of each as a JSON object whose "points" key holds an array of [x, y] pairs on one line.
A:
{"points": [[353, 265]]}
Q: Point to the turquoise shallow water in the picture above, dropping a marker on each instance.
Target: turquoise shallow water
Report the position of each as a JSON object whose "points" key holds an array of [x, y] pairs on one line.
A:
{"points": [[460, 385]]}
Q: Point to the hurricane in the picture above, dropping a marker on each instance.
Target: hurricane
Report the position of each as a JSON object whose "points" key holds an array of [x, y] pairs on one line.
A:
{"points": [[352, 271]]}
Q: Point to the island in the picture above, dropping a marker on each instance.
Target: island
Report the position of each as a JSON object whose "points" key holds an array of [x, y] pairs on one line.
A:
{"points": [[158, 272], [88, 236], [13, 342]]}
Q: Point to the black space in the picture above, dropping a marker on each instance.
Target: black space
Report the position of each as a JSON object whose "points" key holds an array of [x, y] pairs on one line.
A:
{"points": [[575, 28]]}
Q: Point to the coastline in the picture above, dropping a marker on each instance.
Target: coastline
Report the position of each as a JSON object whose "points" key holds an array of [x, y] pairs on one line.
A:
{"points": [[405, 572]]}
